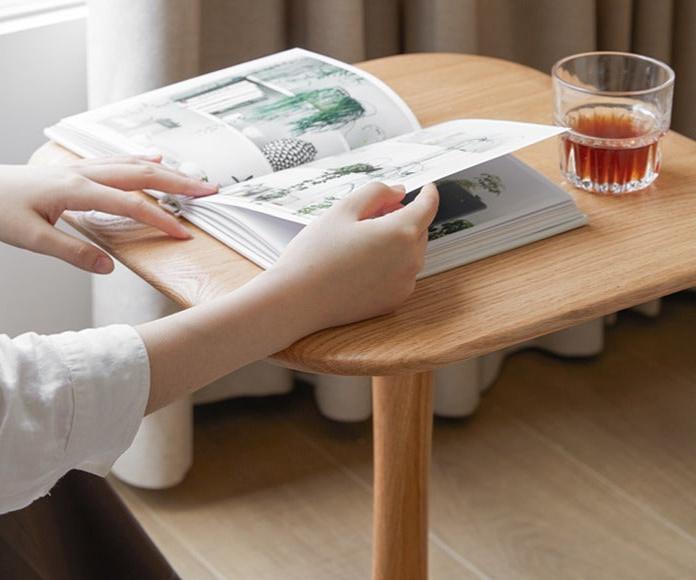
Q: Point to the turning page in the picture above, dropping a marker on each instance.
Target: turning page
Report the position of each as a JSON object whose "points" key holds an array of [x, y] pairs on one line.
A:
{"points": [[413, 159]]}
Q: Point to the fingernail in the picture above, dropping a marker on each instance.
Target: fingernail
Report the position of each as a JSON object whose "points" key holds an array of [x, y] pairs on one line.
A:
{"points": [[151, 157], [103, 265], [207, 187], [399, 187]]}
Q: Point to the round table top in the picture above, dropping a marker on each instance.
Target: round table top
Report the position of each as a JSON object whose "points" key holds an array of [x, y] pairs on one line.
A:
{"points": [[634, 249]]}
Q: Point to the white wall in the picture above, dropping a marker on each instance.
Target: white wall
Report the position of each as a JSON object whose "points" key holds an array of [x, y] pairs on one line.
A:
{"points": [[42, 78]]}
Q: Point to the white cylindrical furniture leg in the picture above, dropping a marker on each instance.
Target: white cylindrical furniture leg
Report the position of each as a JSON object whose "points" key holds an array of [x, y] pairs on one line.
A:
{"points": [[582, 340], [257, 379], [162, 451], [651, 308], [458, 389], [343, 398], [611, 319], [490, 367]]}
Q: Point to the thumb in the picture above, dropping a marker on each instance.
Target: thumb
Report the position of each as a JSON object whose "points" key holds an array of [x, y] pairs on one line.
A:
{"points": [[53, 242], [373, 199], [422, 210]]}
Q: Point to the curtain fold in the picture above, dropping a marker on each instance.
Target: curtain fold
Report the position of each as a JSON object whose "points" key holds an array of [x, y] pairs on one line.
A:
{"points": [[684, 62], [135, 46]]}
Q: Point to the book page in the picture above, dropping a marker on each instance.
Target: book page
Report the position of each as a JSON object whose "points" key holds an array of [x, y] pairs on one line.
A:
{"points": [[413, 159], [490, 195], [486, 209], [249, 120]]}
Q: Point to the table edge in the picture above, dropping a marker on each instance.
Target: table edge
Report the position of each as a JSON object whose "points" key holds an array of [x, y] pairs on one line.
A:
{"points": [[298, 357]]}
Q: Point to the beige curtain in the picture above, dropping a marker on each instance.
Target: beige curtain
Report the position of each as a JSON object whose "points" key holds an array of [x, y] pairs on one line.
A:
{"points": [[135, 45]]}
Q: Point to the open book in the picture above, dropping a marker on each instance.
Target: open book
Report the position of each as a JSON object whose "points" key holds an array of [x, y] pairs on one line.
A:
{"points": [[288, 135]]}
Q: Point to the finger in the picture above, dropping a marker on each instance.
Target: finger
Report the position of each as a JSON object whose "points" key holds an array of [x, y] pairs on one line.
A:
{"points": [[53, 242], [132, 205], [117, 159], [133, 176], [422, 210], [370, 200], [390, 208], [144, 160]]}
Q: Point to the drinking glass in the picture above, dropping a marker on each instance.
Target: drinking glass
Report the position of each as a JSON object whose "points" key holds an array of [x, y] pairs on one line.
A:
{"points": [[616, 106]]}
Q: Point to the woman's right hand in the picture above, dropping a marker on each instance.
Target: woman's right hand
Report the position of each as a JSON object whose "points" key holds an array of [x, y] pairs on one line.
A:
{"points": [[359, 259]]}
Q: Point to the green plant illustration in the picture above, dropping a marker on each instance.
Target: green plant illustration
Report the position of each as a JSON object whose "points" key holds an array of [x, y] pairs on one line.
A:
{"points": [[252, 189], [344, 170], [462, 201], [332, 106], [273, 194], [260, 192], [445, 229], [314, 208], [336, 173], [304, 70], [441, 230], [472, 144], [486, 181]]}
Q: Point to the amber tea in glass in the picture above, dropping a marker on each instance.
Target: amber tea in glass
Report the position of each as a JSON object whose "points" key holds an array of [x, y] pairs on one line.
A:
{"points": [[616, 107]]}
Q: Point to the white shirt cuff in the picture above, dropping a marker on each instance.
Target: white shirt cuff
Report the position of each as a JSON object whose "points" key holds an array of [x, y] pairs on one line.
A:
{"points": [[110, 374]]}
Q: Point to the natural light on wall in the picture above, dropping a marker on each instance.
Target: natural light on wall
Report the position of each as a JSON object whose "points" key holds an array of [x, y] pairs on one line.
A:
{"points": [[42, 52], [10, 9]]}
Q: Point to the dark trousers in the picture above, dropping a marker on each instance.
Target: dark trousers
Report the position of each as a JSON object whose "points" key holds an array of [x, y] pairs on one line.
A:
{"points": [[81, 530]]}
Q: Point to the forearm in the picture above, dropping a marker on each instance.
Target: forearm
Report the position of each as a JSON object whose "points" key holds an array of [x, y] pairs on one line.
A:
{"points": [[357, 261], [194, 347]]}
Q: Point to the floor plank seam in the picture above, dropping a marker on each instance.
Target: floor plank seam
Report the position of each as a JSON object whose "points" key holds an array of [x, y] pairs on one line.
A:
{"points": [[366, 486], [606, 482], [195, 554], [457, 557], [355, 477]]}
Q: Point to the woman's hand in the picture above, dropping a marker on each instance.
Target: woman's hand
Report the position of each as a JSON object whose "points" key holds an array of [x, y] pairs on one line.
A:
{"points": [[33, 198], [360, 259]]}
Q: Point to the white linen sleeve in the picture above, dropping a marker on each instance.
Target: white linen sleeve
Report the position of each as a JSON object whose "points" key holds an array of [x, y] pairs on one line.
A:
{"points": [[70, 400]]}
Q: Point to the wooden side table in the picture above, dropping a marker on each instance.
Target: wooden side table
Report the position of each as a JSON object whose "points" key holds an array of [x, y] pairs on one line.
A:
{"points": [[635, 249]]}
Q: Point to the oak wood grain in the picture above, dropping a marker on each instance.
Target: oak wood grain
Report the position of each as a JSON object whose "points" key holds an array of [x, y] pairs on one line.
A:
{"points": [[403, 417], [636, 248], [264, 501], [570, 469]]}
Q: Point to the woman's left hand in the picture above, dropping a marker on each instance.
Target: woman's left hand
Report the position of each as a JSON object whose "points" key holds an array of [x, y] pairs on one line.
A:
{"points": [[32, 198]]}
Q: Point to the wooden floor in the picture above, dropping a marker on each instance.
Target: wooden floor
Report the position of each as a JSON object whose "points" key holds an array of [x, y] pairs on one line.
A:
{"points": [[570, 469]]}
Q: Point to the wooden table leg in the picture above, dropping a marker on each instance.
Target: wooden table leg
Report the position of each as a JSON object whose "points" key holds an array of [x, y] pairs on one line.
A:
{"points": [[403, 422]]}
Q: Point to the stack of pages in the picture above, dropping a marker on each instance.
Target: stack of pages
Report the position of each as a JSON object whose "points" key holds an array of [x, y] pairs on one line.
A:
{"points": [[288, 135]]}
